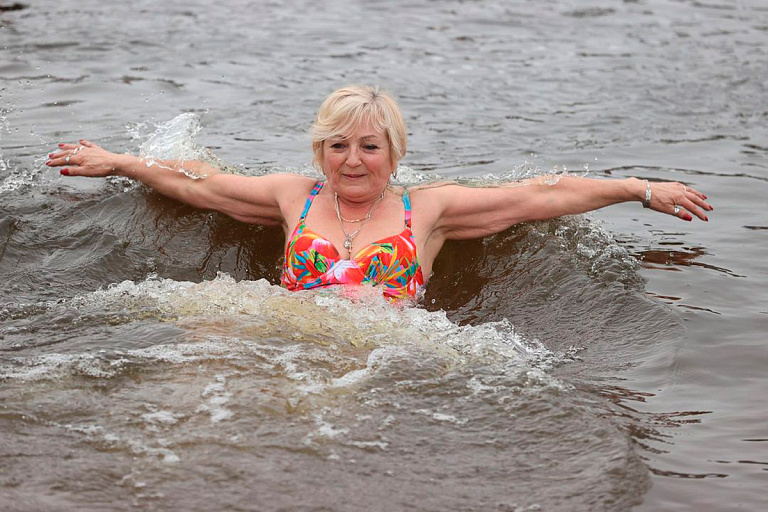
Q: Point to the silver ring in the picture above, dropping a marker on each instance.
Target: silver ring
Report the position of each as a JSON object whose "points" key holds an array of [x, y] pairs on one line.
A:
{"points": [[76, 150], [677, 209], [67, 159]]}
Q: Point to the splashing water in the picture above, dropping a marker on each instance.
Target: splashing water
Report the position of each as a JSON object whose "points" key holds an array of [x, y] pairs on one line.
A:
{"points": [[359, 318], [175, 140]]}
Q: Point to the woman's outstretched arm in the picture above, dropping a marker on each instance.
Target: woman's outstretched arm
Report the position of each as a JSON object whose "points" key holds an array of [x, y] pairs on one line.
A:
{"points": [[257, 200], [464, 212]]}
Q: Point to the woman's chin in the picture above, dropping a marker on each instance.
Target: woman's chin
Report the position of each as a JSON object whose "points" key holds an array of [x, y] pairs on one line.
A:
{"points": [[358, 187]]}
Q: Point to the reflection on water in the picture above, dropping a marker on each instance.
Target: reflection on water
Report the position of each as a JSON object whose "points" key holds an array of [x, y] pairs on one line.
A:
{"points": [[12, 7], [652, 426], [683, 257]]}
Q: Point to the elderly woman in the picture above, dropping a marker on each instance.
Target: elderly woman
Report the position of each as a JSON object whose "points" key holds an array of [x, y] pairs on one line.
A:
{"points": [[355, 227]]}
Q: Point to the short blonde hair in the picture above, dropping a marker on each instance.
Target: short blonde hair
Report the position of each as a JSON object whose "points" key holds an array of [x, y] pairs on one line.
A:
{"points": [[349, 107]]}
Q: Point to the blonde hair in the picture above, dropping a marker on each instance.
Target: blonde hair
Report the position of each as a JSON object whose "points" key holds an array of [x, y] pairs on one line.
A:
{"points": [[349, 107]]}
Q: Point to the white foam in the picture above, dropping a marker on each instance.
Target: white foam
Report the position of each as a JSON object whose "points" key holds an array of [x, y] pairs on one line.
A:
{"points": [[324, 430], [230, 320], [442, 417], [160, 418], [28, 369], [99, 435], [379, 445]]}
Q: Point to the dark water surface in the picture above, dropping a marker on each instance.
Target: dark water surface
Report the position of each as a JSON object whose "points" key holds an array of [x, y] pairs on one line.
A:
{"points": [[613, 361]]}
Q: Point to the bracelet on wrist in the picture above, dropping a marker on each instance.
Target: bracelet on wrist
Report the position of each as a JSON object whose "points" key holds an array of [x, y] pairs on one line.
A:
{"points": [[647, 200]]}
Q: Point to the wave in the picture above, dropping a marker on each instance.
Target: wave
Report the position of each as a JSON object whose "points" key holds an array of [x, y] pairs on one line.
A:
{"points": [[223, 308]]}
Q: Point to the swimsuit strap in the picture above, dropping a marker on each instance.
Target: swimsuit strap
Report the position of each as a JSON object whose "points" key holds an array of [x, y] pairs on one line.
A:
{"points": [[407, 205], [318, 186]]}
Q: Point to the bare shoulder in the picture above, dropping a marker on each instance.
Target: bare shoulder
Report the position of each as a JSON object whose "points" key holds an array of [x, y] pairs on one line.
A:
{"points": [[268, 200], [428, 202], [291, 192], [268, 189], [433, 191], [287, 185], [456, 211], [459, 198], [436, 196], [434, 185]]}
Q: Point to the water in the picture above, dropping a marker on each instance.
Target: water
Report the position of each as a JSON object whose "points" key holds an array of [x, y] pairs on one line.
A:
{"points": [[612, 361]]}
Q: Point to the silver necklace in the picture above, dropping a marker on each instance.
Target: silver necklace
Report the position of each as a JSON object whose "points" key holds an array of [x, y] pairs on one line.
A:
{"points": [[349, 237]]}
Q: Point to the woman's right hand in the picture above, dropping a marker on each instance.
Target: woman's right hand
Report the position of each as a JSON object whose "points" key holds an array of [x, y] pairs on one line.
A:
{"points": [[85, 159]]}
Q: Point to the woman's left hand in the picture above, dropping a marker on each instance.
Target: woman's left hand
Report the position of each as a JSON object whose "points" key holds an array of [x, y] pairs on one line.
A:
{"points": [[85, 159], [679, 200]]}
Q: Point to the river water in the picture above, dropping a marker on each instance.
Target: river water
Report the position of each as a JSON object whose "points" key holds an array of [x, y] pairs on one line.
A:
{"points": [[610, 361]]}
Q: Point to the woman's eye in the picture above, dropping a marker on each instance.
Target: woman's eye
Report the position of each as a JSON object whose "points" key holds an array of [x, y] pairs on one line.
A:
{"points": [[337, 145], [371, 147]]}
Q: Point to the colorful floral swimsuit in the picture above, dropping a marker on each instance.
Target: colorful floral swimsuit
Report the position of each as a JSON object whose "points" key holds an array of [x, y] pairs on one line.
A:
{"points": [[312, 261]]}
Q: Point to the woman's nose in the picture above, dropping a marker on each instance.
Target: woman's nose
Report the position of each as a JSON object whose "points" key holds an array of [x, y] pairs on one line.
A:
{"points": [[353, 157]]}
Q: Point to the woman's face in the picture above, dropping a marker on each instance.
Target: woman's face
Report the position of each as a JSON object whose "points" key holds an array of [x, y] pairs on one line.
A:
{"points": [[358, 165]]}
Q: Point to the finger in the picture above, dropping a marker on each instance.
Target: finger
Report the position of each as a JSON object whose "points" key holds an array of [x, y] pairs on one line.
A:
{"points": [[691, 207], [63, 159], [695, 192], [66, 149], [73, 170], [62, 154], [56, 160], [88, 143], [701, 203], [679, 212]]}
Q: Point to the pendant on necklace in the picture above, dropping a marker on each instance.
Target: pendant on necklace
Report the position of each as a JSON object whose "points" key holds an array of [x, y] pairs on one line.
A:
{"points": [[348, 244]]}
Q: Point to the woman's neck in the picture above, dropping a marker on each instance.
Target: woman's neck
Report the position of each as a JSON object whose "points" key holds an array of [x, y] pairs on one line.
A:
{"points": [[352, 208]]}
